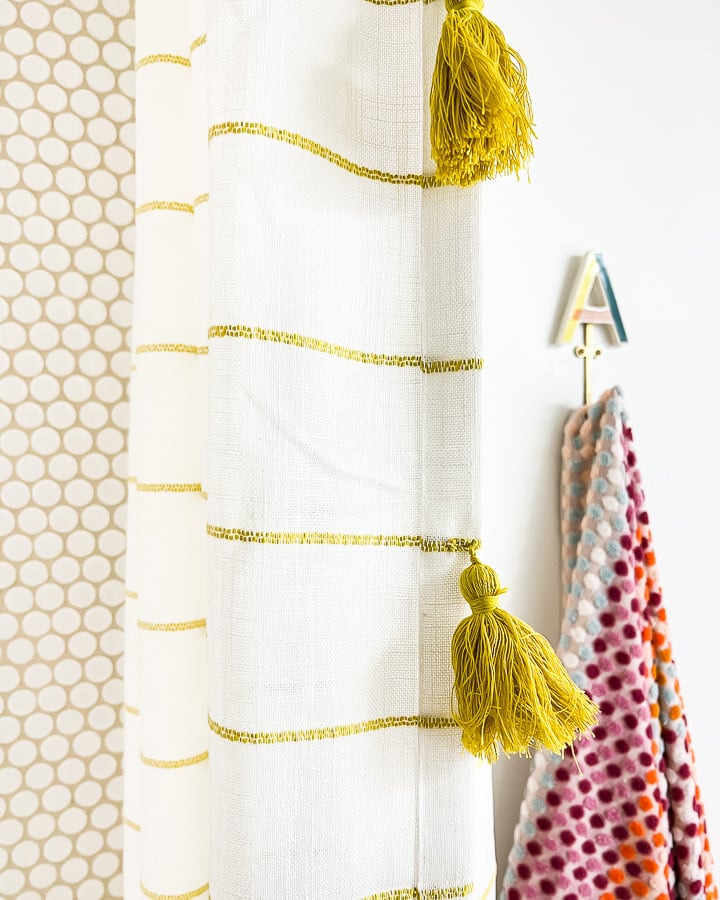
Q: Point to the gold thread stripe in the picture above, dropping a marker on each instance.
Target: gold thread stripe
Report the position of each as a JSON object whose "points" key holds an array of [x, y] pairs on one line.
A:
{"points": [[148, 488], [174, 763], [303, 143], [427, 545], [169, 205], [131, 824], [433, 366], [188, 896], [131, 595], [194, 349], [171, 626], [132, 710], [198, 42], [446, 893], [362, 356], [322, 734], [153, 58], [397, 2]]}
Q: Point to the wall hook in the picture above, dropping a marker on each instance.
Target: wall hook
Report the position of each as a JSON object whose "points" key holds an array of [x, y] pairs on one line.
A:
{"points": [[591, 302]]}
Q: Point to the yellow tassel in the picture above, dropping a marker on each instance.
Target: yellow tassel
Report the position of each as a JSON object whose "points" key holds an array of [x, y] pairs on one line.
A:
{"points": [[481, 122], [511, 690]]}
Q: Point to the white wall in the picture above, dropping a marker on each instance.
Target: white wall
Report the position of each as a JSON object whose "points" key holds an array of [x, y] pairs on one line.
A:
{"points": [[627, 103]]}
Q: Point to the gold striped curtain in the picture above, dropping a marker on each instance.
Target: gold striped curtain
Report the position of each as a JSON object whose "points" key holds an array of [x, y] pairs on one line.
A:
{"points": [[334, 373], [166, 740], [343, 424]]}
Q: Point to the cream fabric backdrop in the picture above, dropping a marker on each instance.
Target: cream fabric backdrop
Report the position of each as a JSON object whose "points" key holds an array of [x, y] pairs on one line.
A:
{"points": [[66, 244], [166, 746], [343, 461]]}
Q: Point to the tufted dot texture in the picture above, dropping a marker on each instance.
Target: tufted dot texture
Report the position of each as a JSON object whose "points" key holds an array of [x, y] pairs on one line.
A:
{"points": [[66, 221], [628, 820]]}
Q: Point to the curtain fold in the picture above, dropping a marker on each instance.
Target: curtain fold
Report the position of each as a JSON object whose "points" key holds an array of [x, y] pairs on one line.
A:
{"points": [[343, 461], [166, 745]]}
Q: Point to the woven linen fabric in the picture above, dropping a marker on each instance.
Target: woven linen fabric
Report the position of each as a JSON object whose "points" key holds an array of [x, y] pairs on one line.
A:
{"points": [[166, 742], [343, 461], [627, 821], [66, 241]]}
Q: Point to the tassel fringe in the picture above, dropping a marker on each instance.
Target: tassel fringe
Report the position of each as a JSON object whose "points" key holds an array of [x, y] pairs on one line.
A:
{"points": [[511, 690], [481, 122]]}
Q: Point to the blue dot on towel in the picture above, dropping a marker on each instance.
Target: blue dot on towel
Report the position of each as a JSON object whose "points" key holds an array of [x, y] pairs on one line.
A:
{"points": [[612, 548]]}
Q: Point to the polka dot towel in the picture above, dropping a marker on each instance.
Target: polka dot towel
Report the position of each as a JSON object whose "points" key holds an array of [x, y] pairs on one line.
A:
{"points": [[627, 821]]}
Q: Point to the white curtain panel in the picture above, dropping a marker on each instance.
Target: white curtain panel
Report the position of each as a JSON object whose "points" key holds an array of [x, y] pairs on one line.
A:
{"points": [[344, 381], [166, 747]]}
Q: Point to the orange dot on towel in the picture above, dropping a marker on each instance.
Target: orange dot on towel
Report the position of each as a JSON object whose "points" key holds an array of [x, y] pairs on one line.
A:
{"points": [[645, 803], [616, 875], [650, 865], [640, 889], [658, 840], [637, 828], [626, 851], [651, 777], [650, 558], [675, 712]]}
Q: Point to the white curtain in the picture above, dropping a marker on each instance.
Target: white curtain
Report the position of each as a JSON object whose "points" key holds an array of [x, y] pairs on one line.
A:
{"points": [[342, 405], [343, 460], [166, 746]]}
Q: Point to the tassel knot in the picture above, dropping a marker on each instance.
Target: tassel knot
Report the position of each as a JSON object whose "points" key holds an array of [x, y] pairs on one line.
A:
{"points": [[480, 586], [456, 5], [482, 605]]}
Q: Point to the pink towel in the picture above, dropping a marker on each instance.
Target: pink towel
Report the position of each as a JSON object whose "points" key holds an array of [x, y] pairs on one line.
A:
{"points": [[631, 822]]}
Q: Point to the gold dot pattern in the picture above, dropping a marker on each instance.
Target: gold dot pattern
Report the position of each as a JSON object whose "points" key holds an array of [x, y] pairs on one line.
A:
{"points": [[67, 226]]}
